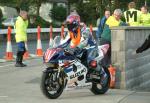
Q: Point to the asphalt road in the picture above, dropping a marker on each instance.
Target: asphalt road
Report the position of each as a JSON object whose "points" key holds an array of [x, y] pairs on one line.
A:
{"points": [[22, 85]]}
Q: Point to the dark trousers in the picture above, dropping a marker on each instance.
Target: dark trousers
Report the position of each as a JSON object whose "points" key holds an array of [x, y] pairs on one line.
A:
{"points": [[20, 52], [106, 61]]}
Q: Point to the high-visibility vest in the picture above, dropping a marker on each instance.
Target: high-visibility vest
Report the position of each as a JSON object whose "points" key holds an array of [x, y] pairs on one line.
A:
{"points": [[145, 19], [111, 22], [132, 17], [75, 40], [20, 29]]}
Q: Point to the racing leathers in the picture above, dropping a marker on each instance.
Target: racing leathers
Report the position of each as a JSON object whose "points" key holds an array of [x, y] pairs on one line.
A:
{"points": [[86, 41]]}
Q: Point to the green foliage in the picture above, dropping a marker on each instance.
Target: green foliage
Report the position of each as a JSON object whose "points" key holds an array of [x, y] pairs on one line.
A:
{"points": [[37, 3], [38, 21], [1, 15], [24, 5], [11, 3], [58, 13], [90, 11], [87, 12]]}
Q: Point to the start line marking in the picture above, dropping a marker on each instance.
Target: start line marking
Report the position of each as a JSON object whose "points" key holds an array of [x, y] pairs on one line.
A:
{"points": [[3, 96], [6, 65]]}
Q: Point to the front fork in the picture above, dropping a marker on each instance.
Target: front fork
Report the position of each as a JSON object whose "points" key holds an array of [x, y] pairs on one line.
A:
{"points": [[60, 75]]}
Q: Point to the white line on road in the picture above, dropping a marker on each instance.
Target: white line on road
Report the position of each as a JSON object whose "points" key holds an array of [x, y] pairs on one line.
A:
{"points": [[6, 65], [3, 96]]}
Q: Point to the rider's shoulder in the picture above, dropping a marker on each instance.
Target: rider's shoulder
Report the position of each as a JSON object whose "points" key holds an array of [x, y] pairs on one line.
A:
{"points": [[84, 29]]}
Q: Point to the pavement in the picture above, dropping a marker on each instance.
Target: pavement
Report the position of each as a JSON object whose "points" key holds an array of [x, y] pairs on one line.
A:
{"points": [[22, 85]]}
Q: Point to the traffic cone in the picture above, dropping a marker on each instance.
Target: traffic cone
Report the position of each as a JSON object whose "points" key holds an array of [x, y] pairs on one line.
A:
{"points": [[39, 51], [9, 53], [62, 32], [26, 54], [91, 28], [112, 71], [51, 38]]}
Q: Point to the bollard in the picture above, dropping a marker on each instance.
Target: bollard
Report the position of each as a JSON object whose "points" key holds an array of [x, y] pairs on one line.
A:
{"points": [[51, 36], [62, 32]]}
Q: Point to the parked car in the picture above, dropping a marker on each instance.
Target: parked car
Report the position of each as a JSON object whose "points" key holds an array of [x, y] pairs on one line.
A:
{"points": [[9, 21]]}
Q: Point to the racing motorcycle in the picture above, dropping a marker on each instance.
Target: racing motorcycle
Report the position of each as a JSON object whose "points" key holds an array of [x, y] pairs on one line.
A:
{"points": [[65, 71]]}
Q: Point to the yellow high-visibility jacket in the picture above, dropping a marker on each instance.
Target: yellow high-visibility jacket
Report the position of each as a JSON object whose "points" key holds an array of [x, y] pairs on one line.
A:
{"points": [[20, 29], [111, 22], [145, 19], [132, 17]]}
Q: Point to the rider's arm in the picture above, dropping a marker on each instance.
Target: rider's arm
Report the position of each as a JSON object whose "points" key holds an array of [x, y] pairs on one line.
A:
{"points": [[65, 42], [87, 40], [84, 39]]}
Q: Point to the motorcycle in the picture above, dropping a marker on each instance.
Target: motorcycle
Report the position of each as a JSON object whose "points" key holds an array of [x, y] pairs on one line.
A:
{"points": [[66, 71]]}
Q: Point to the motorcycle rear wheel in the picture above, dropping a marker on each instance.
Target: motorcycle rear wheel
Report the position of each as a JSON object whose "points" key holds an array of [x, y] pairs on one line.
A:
{"points": [[50, 83]]}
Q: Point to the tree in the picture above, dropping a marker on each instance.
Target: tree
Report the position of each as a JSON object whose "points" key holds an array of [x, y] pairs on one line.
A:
{"points": [[38, 4], [17, 4], [23, 4], [87, 11], [58, 13], [90, 10], [11, 3], [1, 15], [72, 2]]}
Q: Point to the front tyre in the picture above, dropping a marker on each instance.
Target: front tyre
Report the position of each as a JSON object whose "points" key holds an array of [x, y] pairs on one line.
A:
{"points": [[103, 86], [50, 85]]}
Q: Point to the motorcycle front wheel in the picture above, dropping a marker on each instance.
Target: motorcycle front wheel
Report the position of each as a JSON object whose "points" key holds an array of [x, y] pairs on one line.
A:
{"points": [[103, 86], [50, 85]]}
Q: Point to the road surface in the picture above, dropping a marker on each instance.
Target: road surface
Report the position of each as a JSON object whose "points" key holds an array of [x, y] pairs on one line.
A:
{"points": [[22, 85]]}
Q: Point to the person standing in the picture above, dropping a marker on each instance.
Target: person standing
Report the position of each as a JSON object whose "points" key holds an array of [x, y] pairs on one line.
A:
{"points": [[145, 16], [102, 23], [114, 20], [132, 16], [21, 36]]}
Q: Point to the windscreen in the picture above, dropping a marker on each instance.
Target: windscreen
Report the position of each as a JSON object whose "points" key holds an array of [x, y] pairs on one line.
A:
{"points": [[56, 41]]}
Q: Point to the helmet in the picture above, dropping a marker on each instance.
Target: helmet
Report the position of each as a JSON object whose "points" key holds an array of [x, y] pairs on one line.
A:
{"points": [[73, 22]]}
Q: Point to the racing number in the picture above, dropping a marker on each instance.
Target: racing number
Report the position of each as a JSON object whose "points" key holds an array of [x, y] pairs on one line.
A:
{"points": [[130, 14]]}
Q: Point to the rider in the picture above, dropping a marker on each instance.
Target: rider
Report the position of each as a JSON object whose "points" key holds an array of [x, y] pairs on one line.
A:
{"points": [[79, 37]]}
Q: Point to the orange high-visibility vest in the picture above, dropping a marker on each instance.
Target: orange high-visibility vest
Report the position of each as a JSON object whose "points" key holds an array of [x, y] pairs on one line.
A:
{"points": [[75, 40]]}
